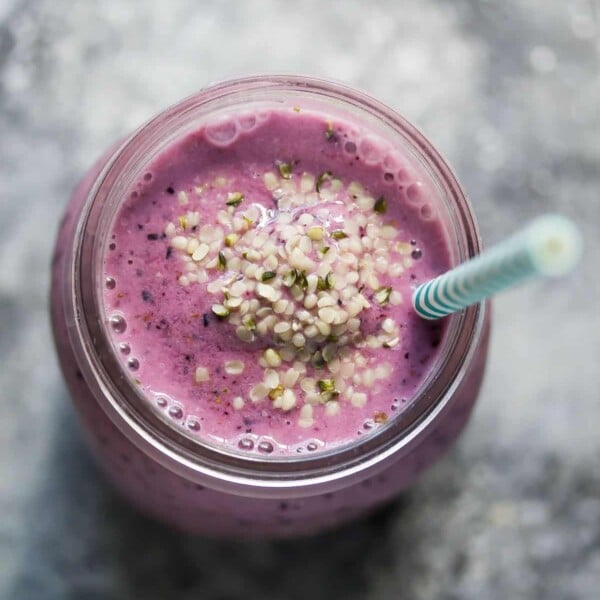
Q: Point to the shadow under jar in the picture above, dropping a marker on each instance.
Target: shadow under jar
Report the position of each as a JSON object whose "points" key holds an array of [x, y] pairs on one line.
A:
{"points": [[229, 462]]}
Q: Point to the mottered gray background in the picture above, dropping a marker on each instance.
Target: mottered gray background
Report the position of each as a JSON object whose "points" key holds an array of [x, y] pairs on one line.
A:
{"points": [[509, 91]]}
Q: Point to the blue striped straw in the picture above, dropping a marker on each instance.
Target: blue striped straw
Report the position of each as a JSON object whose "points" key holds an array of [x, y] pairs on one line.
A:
{"points": [[550, 246]]}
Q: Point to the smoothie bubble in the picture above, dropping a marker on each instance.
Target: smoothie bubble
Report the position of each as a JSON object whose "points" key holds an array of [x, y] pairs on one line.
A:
{"points": [[133, 363], [266, 447], [162, 402], [193, 424], [414, 192], [263, 115], [369, 151], [222, 132], [403, 175], [246, 444], [246, 121], [392, 162], [110, 283], [350, 147], [175, 412], [118, 324], [427, 213], [124, 348]]}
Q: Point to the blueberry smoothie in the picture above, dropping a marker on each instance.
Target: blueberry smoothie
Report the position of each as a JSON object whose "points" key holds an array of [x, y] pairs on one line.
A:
{"points": [[231, 305], [258, 282]]}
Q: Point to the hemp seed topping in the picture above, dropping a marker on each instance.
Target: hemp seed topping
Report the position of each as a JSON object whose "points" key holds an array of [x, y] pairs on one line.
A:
{"points": [[301, 288]]}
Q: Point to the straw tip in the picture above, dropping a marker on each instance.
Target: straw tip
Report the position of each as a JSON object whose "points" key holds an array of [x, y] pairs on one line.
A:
{"points": [[557, 245]]}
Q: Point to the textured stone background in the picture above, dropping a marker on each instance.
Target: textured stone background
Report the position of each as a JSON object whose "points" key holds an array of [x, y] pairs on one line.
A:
{"points": [[509, 90]]}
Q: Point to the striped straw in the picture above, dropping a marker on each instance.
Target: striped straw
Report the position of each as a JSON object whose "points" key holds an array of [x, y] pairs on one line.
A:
{"points": [[550, 247]]}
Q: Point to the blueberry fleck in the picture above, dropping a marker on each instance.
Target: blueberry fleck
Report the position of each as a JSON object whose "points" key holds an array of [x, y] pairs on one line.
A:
{"points": [[153, 236], [147, 296], [169, 252], [205, 319], [170, 190]]}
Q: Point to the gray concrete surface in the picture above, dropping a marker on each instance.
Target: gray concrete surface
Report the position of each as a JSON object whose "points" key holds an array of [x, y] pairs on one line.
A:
{"points": [[509, 91]]}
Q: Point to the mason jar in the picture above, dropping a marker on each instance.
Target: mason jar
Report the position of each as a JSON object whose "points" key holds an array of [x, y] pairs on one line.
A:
{"points": [[175, 476]]}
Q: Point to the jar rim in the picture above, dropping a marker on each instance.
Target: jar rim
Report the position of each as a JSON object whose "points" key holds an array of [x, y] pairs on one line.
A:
{"points": [[187, 455]]}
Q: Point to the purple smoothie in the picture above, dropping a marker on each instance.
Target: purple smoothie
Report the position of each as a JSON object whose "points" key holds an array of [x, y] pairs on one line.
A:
{"points": [[263, 486], [199, 260]]}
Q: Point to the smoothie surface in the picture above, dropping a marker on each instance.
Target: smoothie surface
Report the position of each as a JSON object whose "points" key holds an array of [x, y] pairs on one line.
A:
{"points": [[258, 277]]}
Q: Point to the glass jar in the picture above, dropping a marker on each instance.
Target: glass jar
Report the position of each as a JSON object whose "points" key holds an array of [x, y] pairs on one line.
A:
{"points": [[191, 485]]}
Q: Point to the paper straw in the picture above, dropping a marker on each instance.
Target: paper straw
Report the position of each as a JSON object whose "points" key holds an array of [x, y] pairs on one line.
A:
{"points": [[550, 246]]}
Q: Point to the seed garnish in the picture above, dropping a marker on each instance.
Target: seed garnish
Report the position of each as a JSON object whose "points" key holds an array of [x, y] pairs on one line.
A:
{"points": [[338, 234], [220, 311], [329, 133], [298, 296], [380, 206], [322, 178], [382, 295], [285, 170], [234, 199], [268, 275]]}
